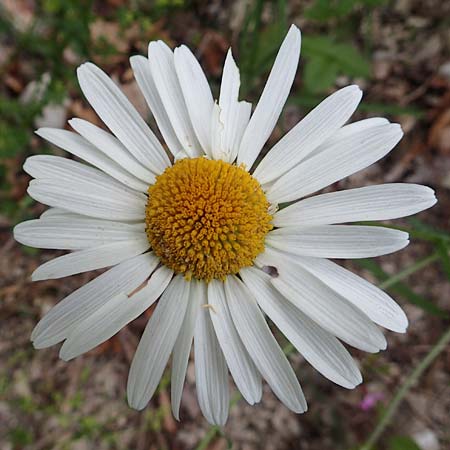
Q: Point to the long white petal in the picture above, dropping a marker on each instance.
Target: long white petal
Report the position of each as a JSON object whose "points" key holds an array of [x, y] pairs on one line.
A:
{"points": [[231, 81], [244, 372], [157, 343], [93, 258], [64, 170], [323, 305], [113, 148], [321, 349], [146, 83], [116, 111], [111, 317], [345, 157], [338, 241], [211, 375], [321, 123], [272, 99], [379, 202], [162, 66], [234, 115], [183, 344], [197, 94], [80, 304], [85, 199], [239, 125], [75, 187], [75, 233], [217, 130], [59, 169], [262, 346], [229, 104], [79, 146], [58, 213], [347, 130], [372, 301]]}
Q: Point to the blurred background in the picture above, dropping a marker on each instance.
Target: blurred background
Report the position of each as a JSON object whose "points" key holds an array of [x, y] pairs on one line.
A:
{"points": [[398, 52]]}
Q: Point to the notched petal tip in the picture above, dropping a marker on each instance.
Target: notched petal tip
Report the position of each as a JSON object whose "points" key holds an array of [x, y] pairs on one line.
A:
{"points": [[37, 276], [65, 354], [135, 403]]}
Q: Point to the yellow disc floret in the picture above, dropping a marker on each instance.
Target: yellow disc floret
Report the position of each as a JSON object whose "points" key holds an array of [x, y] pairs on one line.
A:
{"points": [[206, 219]]}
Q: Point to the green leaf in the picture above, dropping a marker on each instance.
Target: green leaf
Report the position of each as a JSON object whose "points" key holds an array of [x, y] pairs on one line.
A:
{"points": [[324, 10], [443, 252], [311, 100], [319, 75], [402, 443], [428, 230], [346, 57]]}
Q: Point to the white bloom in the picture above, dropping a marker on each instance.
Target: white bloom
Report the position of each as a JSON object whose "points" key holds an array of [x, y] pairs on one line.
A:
{"points": [[203, 237]]}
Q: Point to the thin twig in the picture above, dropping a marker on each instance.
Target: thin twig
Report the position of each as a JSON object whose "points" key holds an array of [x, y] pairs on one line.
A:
{"points": [[409, 382]]}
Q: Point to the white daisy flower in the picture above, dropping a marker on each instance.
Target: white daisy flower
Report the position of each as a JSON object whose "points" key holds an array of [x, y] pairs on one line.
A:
{"points": [[200, 232]]}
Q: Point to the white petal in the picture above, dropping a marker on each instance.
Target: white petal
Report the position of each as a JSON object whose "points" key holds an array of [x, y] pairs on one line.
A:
{"points": [[211, 376], [321, 349], [84, 200], [121, 117], [162, 66], [379, 202], [372, 301], [64, 170], [231, 81], [156, 344], [90, 259], [262, 346], [83, 302], [272, 99], [244, 372], [111, 317], [78, 146], [229, 101], [338, 241], [58, 213], [234, 115], [81, 189], [343, 158], [75, 233], [321, 123], [113, 148], [197, 94], [323, 305], [217, 130], [146, 83], [183, 344], [238, 126], [348, 130]]}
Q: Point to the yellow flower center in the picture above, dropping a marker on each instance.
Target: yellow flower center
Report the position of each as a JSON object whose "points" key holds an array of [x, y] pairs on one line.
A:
{"points": [[206, 219]]}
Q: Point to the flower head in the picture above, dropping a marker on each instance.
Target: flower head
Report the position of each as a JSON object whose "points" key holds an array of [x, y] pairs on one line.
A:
{"points": [[195, 226]]}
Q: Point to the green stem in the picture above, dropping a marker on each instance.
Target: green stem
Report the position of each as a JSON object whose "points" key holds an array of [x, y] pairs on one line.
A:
{"points": [[409, 382], [209, 436], [409, 270]]}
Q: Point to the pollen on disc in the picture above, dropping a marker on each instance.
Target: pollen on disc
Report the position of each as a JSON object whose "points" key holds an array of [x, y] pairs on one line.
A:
{"points": [[206, 219]]}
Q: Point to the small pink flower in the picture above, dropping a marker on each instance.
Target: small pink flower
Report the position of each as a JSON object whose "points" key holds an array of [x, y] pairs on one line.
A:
{"points": [[370, 400]]}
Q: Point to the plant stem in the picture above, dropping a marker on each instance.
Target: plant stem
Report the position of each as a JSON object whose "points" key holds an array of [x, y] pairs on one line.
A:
{"points": [[409, 382], [409, 270], [209, 436]]}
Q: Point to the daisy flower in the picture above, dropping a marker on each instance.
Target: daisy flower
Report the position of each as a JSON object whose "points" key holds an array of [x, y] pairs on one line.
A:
{"points": [[196, 226]]}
